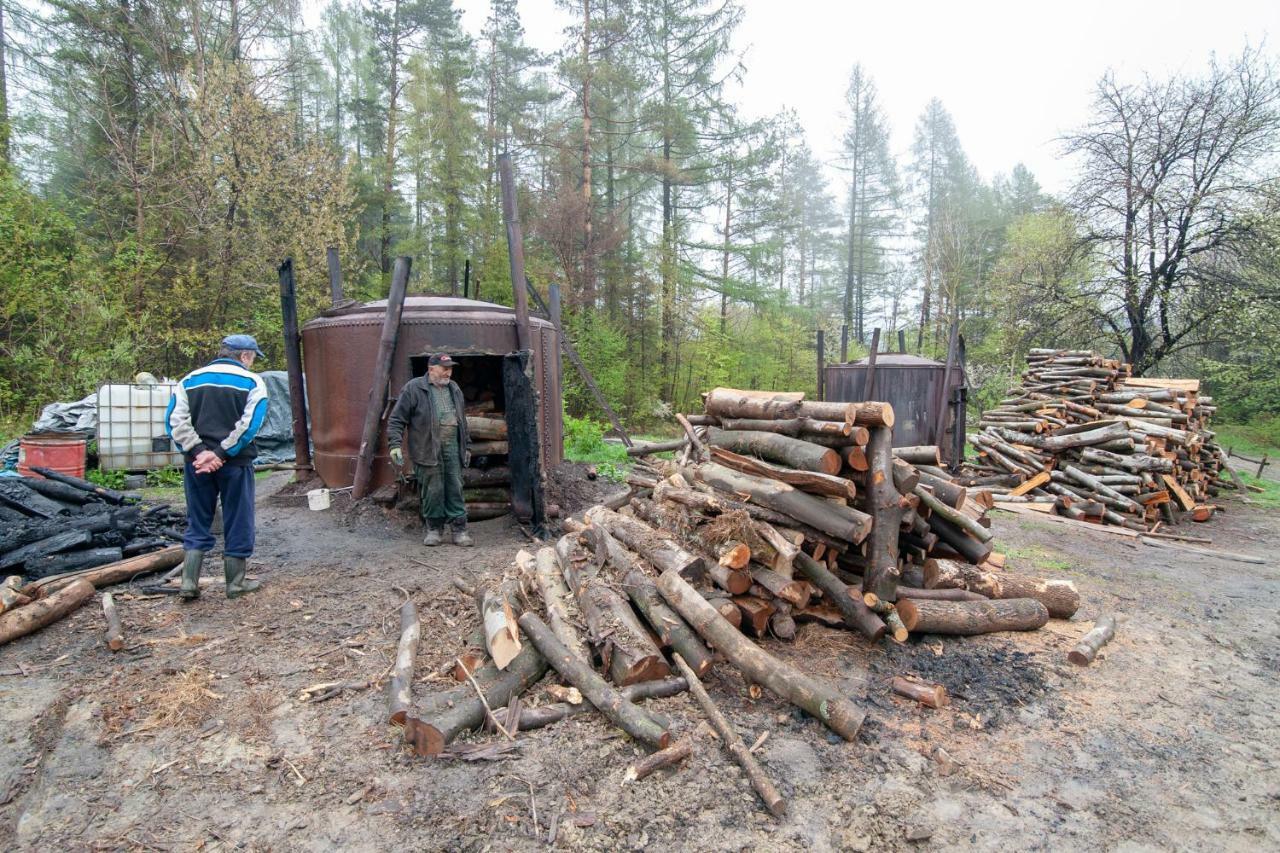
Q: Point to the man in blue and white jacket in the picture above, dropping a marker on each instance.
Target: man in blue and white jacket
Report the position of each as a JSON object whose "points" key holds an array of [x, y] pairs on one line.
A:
{"points": [[213, 416]]}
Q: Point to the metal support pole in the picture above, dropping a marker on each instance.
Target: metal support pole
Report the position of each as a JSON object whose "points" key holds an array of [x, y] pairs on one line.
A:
{"points": [[844, 343], [902, 341], [869, 385], [335, 275], [381, 377], [821, 364], [515, 251], [293, 362]]}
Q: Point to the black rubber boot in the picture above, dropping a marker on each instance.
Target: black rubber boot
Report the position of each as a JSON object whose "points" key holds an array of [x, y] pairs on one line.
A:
{"points": [[191, 563], [234, 568]]}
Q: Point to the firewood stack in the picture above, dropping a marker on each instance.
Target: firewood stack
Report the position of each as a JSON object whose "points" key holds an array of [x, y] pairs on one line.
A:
{"points": [[1081, 438]]}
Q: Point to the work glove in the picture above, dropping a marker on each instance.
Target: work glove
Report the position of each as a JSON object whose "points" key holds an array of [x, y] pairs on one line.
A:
{"points": [[397, 457]]}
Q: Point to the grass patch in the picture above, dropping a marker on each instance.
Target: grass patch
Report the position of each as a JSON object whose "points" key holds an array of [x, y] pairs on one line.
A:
{"points": [[1038, 556], [1268, 498], [1256, 439]]}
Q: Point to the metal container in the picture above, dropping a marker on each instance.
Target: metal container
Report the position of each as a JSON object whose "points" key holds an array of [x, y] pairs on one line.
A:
{"points": [[339, 348], [913, 386]]}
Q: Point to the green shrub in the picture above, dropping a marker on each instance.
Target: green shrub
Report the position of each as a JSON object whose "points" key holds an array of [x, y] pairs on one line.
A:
{"points": [[164, 477], [106, 479], [584, 442]]}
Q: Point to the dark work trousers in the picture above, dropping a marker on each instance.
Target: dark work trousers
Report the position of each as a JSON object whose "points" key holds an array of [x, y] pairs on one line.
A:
{"points": [[234, 484], [440, 490]]}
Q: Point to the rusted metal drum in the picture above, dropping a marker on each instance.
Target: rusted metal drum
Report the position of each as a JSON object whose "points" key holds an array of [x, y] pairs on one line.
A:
{"points": [[339, 348]]}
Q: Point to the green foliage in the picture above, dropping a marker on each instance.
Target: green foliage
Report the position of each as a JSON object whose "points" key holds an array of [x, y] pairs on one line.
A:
{"points": [[164, 478], [106, 479], [1257, 438], [584, 442], [1269, 497]]}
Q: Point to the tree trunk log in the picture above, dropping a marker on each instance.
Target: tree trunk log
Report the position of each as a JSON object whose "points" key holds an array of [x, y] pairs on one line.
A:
{"points": [[631, 719], [545, 715], [956, 517], [881, 574], [157, 561], [660, 550], [808, 481], [950, 493], [870, 414], [853, 610], [734, 403], [795, 427], [501, 635], [406, 656], [657, 447], [64, 541], [756, 612], [932, 695], [941, 594], [819, 699], [727, 610], [487, 429], [114, 636], [965, 618], [842, 522], [733, 743], [785, 550], [37, 614], [677, 752], [792, 452], [481, 477], [1087, 649], [453, 711], [959, 541], [927, 454], [671, 630], [555, 596], [793, 592]]}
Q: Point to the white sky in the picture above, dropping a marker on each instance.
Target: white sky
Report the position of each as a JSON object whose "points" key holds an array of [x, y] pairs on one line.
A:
{"points": [[1013, 75]]}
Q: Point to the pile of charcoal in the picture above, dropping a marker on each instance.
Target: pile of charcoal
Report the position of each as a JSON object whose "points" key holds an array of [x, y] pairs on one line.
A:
{"points": [[55, 523]]}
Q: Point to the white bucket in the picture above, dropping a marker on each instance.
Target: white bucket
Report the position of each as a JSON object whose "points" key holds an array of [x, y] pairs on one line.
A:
{"points": [[318, 499]]}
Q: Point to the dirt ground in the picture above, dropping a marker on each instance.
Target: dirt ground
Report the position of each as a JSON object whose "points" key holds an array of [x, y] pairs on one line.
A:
{"points": [[199, 734]]}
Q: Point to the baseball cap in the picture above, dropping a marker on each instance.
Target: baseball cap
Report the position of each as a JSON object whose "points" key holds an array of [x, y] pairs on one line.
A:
{"points": [[242, 342], [442, 359]]}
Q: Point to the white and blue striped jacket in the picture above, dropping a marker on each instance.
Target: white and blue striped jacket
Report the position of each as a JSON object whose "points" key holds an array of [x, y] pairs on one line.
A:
{"points": [[219, 407]]}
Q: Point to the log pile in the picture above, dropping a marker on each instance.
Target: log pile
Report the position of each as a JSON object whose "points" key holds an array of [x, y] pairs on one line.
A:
{"points": [[57, 523], [1081, 438]]}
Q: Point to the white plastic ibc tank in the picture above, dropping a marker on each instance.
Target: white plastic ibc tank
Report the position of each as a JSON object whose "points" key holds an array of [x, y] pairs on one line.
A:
{"points": [[131, 428]]}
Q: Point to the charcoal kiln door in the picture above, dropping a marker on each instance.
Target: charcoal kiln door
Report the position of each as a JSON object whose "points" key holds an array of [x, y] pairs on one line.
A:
{"points": [[522, 438]]}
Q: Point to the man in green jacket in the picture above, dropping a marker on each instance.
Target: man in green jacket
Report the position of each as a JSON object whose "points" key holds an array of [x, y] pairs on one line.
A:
{"points": [[432, 408]]}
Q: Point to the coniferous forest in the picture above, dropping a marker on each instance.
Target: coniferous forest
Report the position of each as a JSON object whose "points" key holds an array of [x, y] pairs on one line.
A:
{"points": [[160, 158]]}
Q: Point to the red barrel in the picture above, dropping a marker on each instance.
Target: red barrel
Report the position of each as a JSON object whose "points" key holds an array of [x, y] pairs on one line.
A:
{"points": [[63, 452]]}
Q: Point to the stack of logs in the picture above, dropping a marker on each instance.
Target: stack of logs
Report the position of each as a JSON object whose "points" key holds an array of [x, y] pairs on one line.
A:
{"points": [[1081, 438], [55, 523], [738, 540]]}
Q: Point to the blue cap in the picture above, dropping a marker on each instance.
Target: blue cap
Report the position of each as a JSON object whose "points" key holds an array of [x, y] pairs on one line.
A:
{"points": [[242, 342]]}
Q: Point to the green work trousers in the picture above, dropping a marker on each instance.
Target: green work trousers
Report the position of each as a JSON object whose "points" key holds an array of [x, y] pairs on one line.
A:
{"points": [[440, 489]]}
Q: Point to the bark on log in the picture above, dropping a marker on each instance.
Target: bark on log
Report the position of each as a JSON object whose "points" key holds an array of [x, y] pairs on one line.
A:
{"points": [[792, 452], [657, 447], [905, 477], [1087, 649], [157, 561], [842, 522], [37, 614], [671, 630], [734, 582], [1057, 443], [555, 594], [677, 752], [401, 687], [633, 720], [480, 477], [734, 403], [114, 636], [853, 610], [793, 592], [660, 550], [489, 448], [784, 549], [956, 517], [453, 711], [932, 695], [808, 481], [501, 635], [926, 454], [756, 612], [70, 561], [881, 574], [727, 610], [487, 429], [959, 541], [941, 594], [52, 545], [733, 742], [869, 414], [949, 492], [819, 699], [795, 427], [964, 618], [545, 715]]}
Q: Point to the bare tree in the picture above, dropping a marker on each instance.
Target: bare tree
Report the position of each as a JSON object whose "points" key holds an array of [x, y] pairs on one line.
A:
{"points": [[1171, 171]]}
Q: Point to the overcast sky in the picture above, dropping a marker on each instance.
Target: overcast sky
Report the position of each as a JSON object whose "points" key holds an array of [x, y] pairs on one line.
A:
{"points": [[1014, 75]]}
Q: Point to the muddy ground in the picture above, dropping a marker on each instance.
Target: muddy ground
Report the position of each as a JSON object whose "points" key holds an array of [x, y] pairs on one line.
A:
{"points": [[198, 736]]}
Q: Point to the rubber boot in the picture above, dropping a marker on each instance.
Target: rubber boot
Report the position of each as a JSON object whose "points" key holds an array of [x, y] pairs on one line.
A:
{"points": [[434, 536], [461, 537], [191, 563], [234, 568]]}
